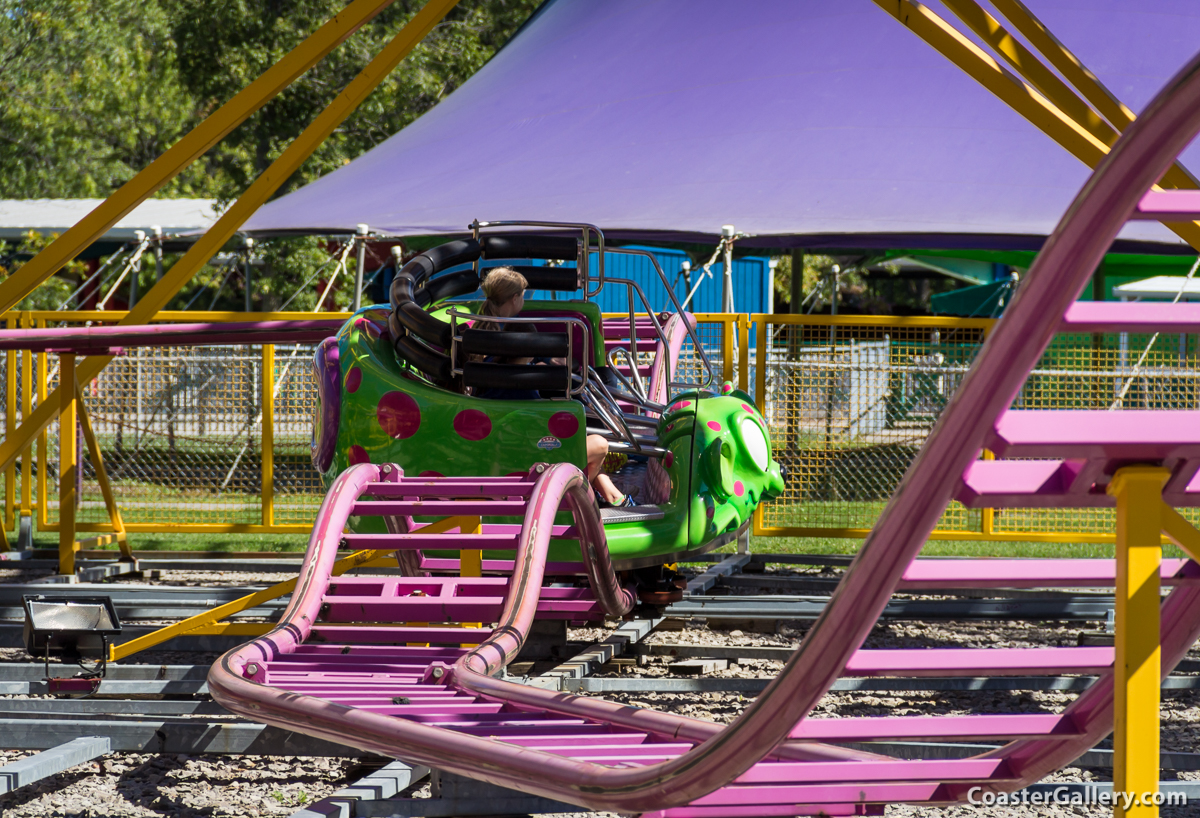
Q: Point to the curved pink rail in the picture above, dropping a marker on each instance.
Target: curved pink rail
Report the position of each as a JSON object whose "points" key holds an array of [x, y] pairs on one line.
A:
{"points": [[667, 359], [232, 679], [169, 335], [728, 754], [1062, 270]]}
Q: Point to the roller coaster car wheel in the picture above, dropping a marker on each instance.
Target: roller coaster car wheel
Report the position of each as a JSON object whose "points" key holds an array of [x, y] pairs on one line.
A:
{"points": [[660, 584]]}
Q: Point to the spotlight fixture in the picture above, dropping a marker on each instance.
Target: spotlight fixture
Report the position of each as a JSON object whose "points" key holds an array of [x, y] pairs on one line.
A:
{"points": [[76, 629]]}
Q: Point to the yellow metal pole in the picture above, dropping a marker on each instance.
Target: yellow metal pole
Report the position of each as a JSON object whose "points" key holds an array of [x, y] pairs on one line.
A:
{"points": [[987, 516], [26, 406], [268, 434], [743, 352], [470, 563], [760, 353], [1138, 669], [1031, 68], [949, 42], [1181, 532], [66, 465], [43, 456], [208, 133], [262, 188], [10, 424], [110, 503], [118, 652], [727, 331], [760, 396]]}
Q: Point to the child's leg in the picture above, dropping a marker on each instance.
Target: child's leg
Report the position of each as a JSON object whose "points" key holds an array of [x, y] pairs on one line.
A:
{"points": [[607, 489], [597, 448]]}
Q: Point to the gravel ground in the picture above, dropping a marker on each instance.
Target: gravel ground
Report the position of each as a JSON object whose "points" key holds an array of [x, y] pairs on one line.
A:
{"points": [[134, 785]]}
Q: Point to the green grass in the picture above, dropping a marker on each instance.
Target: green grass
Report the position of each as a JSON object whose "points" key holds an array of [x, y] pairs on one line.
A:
{"points": [[944, 548]]}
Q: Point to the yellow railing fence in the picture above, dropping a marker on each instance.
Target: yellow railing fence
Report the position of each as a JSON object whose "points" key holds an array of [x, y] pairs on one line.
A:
{"points": [[216, 440]]}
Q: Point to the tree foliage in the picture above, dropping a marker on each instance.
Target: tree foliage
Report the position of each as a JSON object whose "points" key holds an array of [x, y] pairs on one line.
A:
{"points": [[92, 91], [89, 94], [244, 38]]}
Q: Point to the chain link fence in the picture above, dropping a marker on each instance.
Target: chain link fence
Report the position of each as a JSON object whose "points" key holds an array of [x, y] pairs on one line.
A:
{"points": [[849, 400], [181, 434]]}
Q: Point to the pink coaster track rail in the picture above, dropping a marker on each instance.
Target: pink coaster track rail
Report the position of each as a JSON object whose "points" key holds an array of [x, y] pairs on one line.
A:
{"points": [[337, 666]]}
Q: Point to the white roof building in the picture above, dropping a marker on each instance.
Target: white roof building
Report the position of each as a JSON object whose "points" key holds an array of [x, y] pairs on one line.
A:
{"points": [[1159, 287], [174, 216]]}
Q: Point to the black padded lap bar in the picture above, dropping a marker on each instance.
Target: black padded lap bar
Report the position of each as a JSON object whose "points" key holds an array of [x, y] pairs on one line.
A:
{"points": [[403, 289], [514, 344], [514, 376], [431, 363], [423, 325], [549, 278], [530, 247], [453, 253], [450, 285], [441, 257], [419, 269]]}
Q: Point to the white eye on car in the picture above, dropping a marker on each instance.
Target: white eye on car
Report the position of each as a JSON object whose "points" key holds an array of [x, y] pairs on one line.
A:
{"points": [[755, 442]]}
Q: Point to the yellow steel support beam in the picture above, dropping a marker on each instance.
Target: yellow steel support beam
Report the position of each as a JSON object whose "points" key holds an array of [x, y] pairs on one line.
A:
{"points": [[1181, 532], [10, 423], [66, 465], [987, 516], [980, 65], [760, 400], [1061, 58], [1031, 68], [110, 503], [99, 542], [1138, 668], [208, 133], [1026, 101], [471, 561], [262, 188], [1047, 82], [358, 559]]}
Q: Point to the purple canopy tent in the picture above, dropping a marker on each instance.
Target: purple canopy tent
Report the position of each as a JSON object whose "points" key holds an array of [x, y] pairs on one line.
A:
{"points": [[805, 123]]}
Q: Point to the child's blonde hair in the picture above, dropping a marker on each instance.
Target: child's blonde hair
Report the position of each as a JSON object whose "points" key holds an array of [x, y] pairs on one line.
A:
{"points": [[501, 285]]}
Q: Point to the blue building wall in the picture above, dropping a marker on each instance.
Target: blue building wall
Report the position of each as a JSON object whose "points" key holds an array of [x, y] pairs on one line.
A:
{"points": [[751, 282]]}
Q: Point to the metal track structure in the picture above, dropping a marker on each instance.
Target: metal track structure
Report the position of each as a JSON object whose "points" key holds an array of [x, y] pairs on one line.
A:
{"points": [[333, 669]]}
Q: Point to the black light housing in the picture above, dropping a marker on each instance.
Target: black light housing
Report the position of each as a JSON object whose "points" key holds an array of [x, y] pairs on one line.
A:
{"points": [[75, 628]]}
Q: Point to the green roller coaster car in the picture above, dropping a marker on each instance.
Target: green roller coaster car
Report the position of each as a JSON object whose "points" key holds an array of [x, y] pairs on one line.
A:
{"points": [[699, 463]]}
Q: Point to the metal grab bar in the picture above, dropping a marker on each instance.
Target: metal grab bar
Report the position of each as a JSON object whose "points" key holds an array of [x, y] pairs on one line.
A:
{"points": [[616, 445], [584, 263], [691, 329], [585, 247], [572, 390], [610, 414], [638, 387]]}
